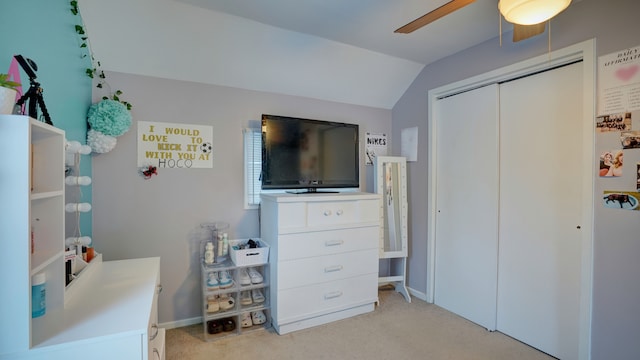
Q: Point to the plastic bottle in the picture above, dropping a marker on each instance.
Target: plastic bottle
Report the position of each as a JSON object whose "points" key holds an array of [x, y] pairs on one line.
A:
{"points": [[208, 253], [220, 245], [225, 244], [38, 295]]}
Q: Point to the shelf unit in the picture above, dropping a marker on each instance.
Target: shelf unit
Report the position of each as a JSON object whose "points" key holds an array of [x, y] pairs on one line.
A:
{"points": [[32, 193], [234, 291]]}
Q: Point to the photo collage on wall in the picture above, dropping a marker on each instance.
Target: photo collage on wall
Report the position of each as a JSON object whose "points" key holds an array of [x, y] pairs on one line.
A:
{"points": [[618, 127]]}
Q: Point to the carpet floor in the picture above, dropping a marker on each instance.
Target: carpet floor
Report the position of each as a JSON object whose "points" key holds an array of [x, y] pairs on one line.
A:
{"points": [[395, 330]]}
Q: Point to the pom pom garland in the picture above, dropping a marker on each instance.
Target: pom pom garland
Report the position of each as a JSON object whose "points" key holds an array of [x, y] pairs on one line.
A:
{"points": [[109, 117], [99, 142]]}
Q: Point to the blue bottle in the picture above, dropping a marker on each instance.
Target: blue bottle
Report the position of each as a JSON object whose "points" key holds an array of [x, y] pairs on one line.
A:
{"points": [[38, 295]]}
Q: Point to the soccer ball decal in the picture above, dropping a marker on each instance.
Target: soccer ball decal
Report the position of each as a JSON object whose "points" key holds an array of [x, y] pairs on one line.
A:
{"points": [[206, 148]]}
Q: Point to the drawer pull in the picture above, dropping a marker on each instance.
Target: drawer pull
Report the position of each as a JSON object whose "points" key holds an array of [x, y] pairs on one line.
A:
{"points": [[332, 295], [327, 213], [333, 268], [339, 212], [333, 242], [155, 327], [155, 351]]}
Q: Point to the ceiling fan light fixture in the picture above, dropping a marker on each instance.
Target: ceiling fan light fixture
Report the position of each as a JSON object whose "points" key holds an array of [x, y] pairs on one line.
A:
{"points": [[530, 12]]}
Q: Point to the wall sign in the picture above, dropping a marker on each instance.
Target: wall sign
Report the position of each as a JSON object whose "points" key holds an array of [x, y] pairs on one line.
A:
{"points": [[376, 146], [169, 145], [619, 82]]}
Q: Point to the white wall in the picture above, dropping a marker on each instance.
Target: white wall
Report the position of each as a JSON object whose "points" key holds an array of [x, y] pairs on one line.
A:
{"points": [[133, 217], [616, 321]]}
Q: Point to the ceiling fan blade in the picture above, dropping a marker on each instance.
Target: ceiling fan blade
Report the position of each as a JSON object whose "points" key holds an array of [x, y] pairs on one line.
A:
{"points": [[434, 15], [521, 32]]}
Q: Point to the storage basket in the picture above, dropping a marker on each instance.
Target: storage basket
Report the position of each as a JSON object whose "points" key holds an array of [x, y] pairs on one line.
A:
{"points": [[248, 257]]}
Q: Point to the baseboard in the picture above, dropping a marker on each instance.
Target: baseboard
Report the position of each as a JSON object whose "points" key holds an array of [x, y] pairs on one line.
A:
{"points": [[181, 323], [420, 295]]}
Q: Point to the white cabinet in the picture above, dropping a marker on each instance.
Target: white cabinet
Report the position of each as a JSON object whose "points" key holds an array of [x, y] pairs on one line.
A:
{"points": [[109, 312], [390, 180], [324, 256], [32, 194]]}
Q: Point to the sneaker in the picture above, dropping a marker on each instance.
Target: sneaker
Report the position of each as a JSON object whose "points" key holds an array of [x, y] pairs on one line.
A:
{"points": [[258, 317], [214, 326], [257, 296], [228, 324], [245, 320], [212, 281], [212, 304], [243, 277], [224, 279], [245, 298], [226, 302], [255, 276]]}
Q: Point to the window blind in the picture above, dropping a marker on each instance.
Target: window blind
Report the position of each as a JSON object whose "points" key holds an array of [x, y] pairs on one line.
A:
{"points": [[253, 166]]}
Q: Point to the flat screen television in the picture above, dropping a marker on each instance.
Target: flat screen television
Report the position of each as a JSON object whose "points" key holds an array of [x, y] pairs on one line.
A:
{"points": [[306, 155]]}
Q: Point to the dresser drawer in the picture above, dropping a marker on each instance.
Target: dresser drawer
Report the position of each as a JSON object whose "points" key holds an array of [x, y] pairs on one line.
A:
{"points": [[296, 215], [342, 212], [318, 243], [309, 301], [313, 270]]}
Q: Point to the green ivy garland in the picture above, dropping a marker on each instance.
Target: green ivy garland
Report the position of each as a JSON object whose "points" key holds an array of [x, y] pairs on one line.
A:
{"points": [[95, 70]]}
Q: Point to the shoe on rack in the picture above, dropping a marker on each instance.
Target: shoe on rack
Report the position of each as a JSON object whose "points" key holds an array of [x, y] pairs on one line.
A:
{"points": [[212, 304], [212, 281], [258, 317], [226, 302], [255, 276], [224, 279], [243, 277], [245, 320], [214, 326], [245, 298], [257, 296], [228, 324]]}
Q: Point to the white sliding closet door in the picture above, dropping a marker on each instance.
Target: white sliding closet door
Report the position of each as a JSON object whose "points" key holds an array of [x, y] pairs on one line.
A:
{"points": [[541, 210], [467, 204]]}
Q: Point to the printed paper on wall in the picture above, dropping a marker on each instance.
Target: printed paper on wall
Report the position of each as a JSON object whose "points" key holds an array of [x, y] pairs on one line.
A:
{"points": [[625, 200], [376, 146], [170, 145], [619, 82]]}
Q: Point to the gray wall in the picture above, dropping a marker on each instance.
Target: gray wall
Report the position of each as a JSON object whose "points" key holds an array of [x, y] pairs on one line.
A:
{"points": [[133, 217], [614, 24]]}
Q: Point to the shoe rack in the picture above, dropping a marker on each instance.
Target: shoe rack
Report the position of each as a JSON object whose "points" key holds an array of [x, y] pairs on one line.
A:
{"points": [[238, 302]]}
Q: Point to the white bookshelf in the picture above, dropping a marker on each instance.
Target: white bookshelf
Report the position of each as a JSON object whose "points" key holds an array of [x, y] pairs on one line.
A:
{"points": [[32, 194]]}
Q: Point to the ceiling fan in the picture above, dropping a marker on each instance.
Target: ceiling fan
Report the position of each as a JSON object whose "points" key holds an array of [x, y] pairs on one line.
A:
{"points": [[527, 16]]}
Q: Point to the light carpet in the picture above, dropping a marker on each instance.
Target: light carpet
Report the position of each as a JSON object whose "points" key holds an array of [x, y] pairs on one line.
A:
{"points": [[395, 330]]}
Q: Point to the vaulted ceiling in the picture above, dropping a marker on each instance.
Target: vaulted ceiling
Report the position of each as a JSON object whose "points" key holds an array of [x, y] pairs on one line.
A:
{"points": [[336, 50]]}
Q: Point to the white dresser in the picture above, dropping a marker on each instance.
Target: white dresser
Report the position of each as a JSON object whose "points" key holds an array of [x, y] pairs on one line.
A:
{"points": [[324, 256]]}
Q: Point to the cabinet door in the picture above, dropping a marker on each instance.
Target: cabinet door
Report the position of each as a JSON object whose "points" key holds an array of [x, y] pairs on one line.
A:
{"points": [[467, 205]]}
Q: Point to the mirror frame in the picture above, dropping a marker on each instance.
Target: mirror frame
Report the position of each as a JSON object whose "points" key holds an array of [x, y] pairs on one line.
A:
{"points": [[400, 201]]}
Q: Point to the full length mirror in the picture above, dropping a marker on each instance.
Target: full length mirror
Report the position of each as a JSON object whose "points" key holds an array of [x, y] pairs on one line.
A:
{"points": [[391, 184]]}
